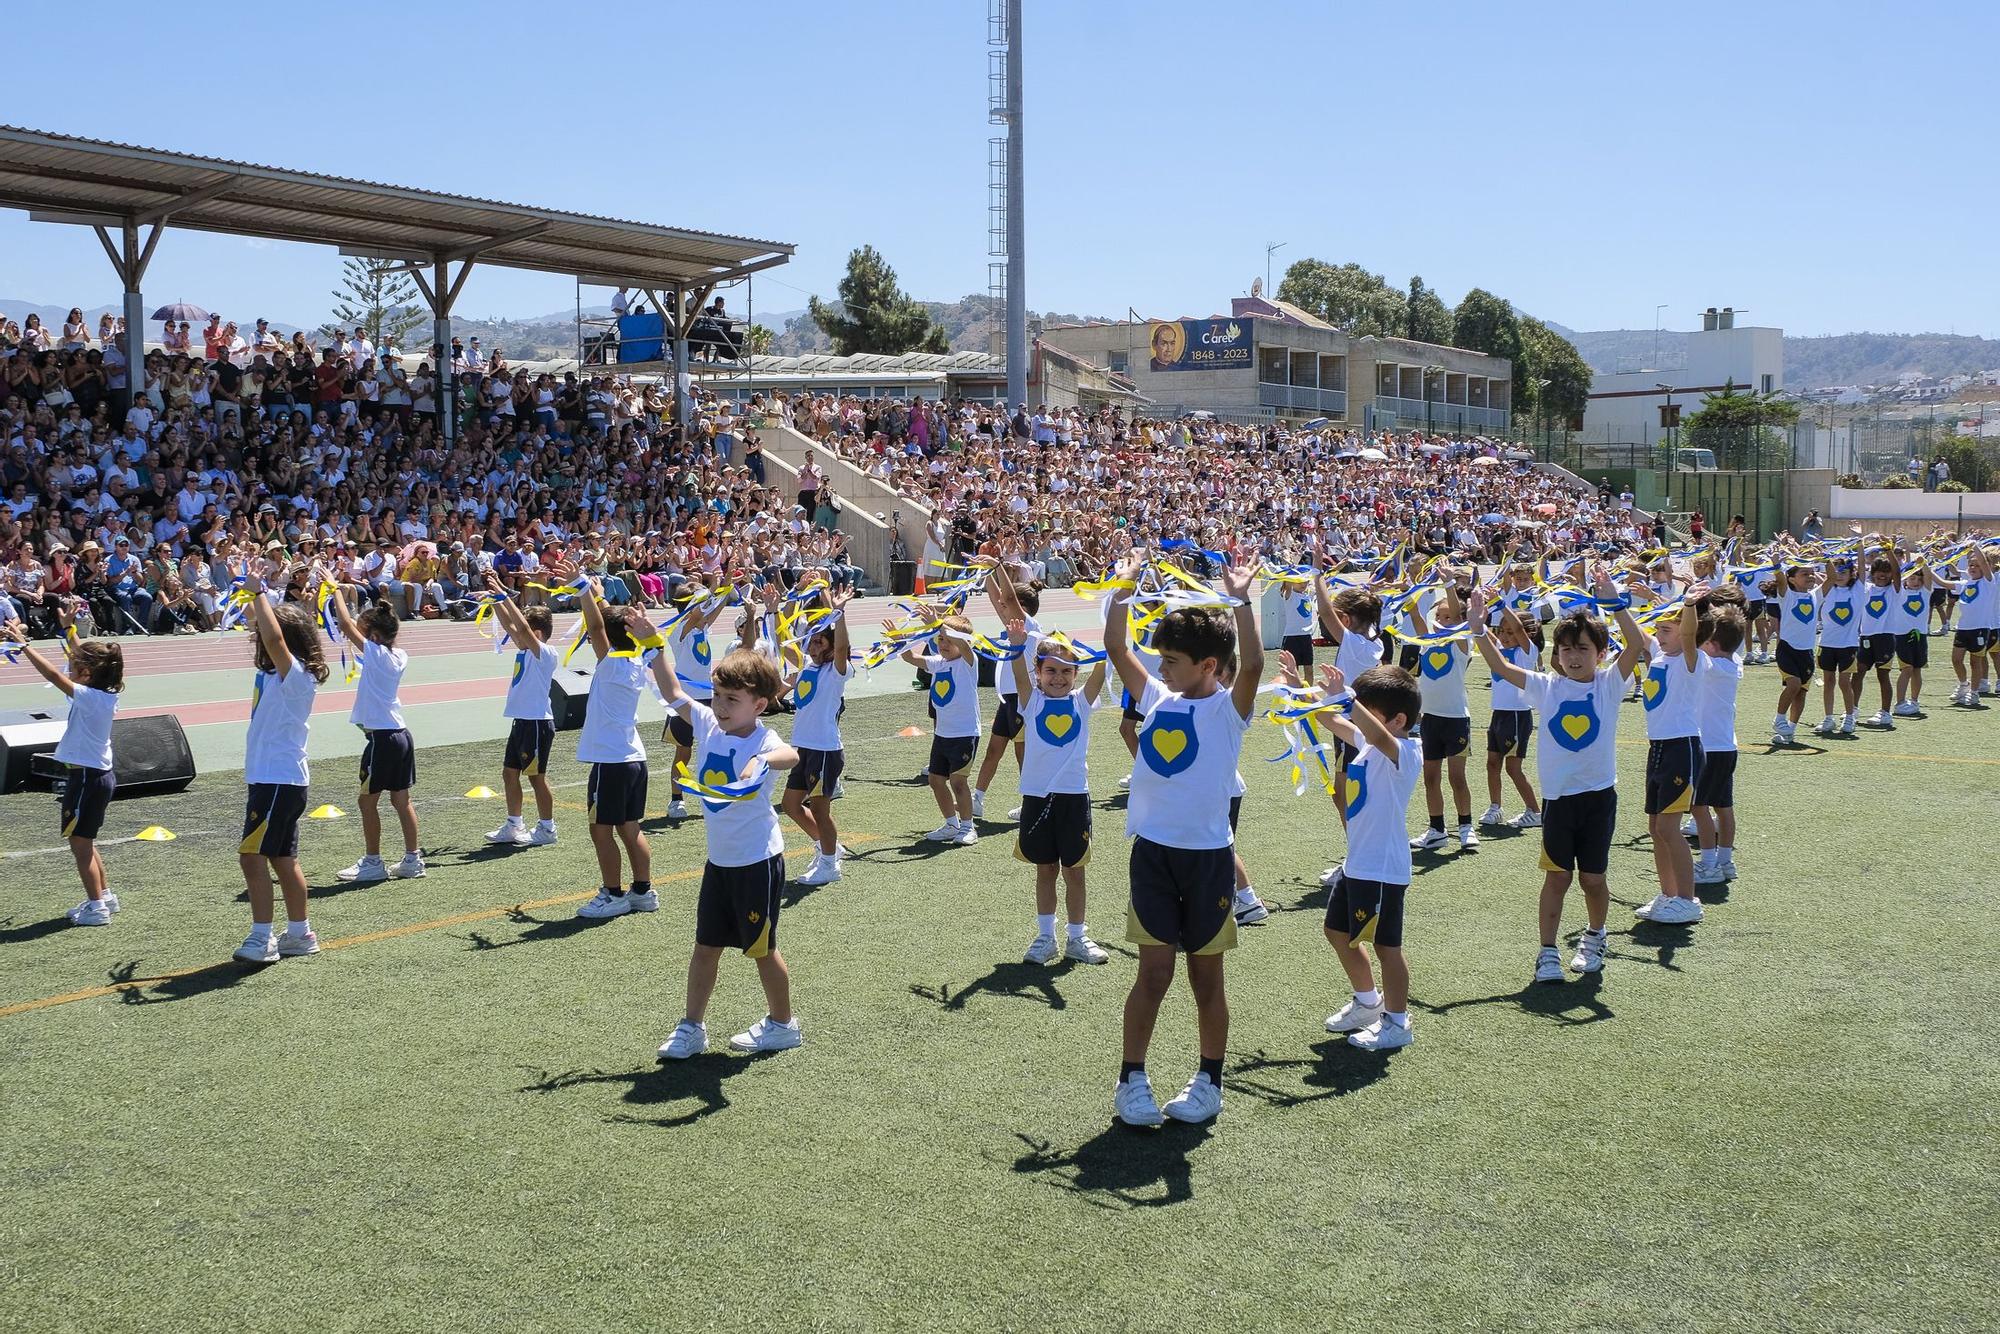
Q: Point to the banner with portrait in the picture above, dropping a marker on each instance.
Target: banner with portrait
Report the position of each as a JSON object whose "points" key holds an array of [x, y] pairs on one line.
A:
{"points": [[1200, 345]]}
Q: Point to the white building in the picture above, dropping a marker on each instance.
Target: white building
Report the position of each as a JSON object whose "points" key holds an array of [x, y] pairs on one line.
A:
{"points": [[1637, 406]]}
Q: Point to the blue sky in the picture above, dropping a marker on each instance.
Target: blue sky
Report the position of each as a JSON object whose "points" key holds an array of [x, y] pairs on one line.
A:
{"points": [[1828, 167]]}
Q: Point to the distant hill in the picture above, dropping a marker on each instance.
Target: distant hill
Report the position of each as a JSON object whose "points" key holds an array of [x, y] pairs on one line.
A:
{"points": [[972, 323], [1810, 363]]}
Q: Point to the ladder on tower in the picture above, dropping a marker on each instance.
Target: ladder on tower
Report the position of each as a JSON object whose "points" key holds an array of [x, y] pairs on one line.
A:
{"points": [[996, 173]]}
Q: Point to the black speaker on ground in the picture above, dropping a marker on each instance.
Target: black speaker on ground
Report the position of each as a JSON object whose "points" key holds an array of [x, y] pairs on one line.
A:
{"points": [[569, 695], [23, 736], [902, 578], [150, 756]]}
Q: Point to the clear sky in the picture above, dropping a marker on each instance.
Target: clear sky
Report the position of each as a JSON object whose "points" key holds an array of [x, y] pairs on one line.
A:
{"points": [[1830, 167]]}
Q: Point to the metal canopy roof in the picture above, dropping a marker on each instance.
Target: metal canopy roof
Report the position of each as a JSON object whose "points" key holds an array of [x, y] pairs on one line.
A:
{"points": [[93, 181]]}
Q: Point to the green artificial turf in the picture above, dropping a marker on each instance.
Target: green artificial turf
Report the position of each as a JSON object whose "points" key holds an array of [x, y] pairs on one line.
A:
{"points": [[1780, 1119]]}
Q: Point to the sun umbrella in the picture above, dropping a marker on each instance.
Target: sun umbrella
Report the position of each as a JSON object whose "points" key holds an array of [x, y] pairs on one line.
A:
{"points": [[1373, 455], [1492, 518], [1486, 462], [180, 310], [1545, 509]]}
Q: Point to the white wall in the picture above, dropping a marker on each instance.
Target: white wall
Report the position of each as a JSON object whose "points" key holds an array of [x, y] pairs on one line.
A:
{"points": [[1715, 357], [1938, 507]]}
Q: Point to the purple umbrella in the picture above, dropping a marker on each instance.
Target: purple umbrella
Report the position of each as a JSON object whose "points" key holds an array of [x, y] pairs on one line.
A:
{"points": [[180, 310]]}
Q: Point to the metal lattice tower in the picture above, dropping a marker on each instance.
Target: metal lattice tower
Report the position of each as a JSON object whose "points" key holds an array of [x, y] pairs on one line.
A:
{"points": [[1006, 227]]}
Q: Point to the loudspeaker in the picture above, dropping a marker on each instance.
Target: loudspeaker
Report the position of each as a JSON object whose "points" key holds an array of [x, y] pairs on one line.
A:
{"points": [[22, 737], [150, 756], [569, 695]]}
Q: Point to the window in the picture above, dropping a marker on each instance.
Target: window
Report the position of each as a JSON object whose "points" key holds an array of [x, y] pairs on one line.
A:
{"points": [[1768, 386], [1115, 361], [1670, 416]]}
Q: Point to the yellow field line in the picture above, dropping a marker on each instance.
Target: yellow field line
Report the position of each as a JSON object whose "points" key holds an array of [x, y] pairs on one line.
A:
{"points": [[349, 942], [1842, 753]]}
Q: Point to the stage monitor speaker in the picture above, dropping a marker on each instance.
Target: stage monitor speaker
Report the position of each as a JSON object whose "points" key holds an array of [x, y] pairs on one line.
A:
{"points": [[150, 756], [22, 737], [569, 695]]}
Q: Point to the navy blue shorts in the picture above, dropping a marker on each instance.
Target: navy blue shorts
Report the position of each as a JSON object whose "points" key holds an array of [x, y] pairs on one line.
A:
{"points": [[1367, 912], [617, 792], [1673, 767], [1509, 732], [1182, 897], [816, 772], [528, 743], [1577, 829], [738, 906], [86, 794], [1055, 830], [389, 761], [271, 816]]}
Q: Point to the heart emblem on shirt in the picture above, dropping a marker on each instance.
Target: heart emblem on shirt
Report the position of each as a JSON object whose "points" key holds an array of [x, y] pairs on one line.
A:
{"points": [[1876, 606], [1652, 687], [1440, 659], [1168, 743], [807, 684], [1060, 723], [702, 651], [1842, 614], [1576, 725], [942, 688], [714, 777]]}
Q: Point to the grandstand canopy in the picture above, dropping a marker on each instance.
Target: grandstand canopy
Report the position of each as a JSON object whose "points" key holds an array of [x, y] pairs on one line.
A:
{"points": [[60, 178]]}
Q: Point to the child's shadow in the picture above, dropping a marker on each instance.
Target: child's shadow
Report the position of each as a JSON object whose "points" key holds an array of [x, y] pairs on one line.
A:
{"points": [[1336, 1070], [10, 934], [539, 929], [186, 986], [1120, 1167], [698, 1080], [1567, 1003], [1028, 981]]}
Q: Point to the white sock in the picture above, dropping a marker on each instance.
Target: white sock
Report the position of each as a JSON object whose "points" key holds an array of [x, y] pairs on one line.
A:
{"points": [[1723, 854], [515, 821], [1246, 896], [260, 930], [1370, 999], [1076, 931], [1400, 1018], [1045, 925], [545, 824], [1593, 931], [299, 928], [979, 794]]}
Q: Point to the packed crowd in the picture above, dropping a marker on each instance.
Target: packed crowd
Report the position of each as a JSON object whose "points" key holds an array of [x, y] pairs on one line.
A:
{"points": [[329, 449]]}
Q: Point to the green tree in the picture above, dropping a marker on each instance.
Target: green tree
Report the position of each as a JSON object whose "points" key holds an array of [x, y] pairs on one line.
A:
{"points": [[1427, 319], [1347, 296], [1972, 460], [1482, 322], [379, 298], [758, 341], [1745, 430], [873, 314], [1547, 355]]}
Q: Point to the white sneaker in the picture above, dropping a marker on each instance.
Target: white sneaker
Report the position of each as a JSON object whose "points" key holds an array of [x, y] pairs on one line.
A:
{"points": [[767, 1034], [689, 1039], [1429, 841], [91, 912], [1827, 726], [1689, 828], [1646, 910], [1527, 820], [839, 790], [1382, 1036], [1014, 815], [677, 809], [110, 902], [1353, 1017], [1728, 868], [510, 834], [1589, 953], [292, 944], [1493, 816], [605, 904], [1083, 949], [1133, 1099], [364, 872], [411, 867], [967, 835], [258, 949], [1200, 1101], [1254, 913], [944, 833], [823, 871], [1548, 965], [1988, 689], [1709, 873], [1043, 949], [642, 900], [1883, 720], [1846, 725], [1678, 912], [1909, 709], [1125, 782], [1330, 876], [543, 835], [1468, 838], [979, 805]]}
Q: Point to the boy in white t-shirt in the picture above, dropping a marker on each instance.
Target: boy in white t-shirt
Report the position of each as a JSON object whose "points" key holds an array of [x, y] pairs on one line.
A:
{"points": [[1840, 617], [1798, 632], [95, 678], [389, 759], [1671, 691], [1183, 869], [1978, 633], [1576, 765], [954, 696], [531, 727], [694, 654], [743, 880], [1008, 725], [1446, 727], [1510, 732], [1715, 791], [819, 690]]}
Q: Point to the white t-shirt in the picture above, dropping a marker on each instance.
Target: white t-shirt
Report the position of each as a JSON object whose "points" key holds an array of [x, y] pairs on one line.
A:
{"points": [[1579, 731], [1186, 770], [1671, 692], [1798, 618], [1300, 617], [1840, 616], [1979, 603], [1378, 799], [528, 690], [816, 699], [694, 657], [1057, 733], [1913, 612], [87, 740], [1718, 703], [1441, 679], [1507, 696], [1003, 676], [1356, 654], [955, 694], [376, 706], [740, 833], [1878, 609], [274, 745], [611, 714]]}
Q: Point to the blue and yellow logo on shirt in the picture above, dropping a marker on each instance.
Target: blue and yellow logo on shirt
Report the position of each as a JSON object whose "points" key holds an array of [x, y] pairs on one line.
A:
{"points": [[256, 693], [703, 651], [1914, 604], [1305, 609], [1802, 610], [1877, 605], [1436, 662], [1169, 744], [1057, 723], [943, 687], [520, 665], [1574, 725], [808, 683], [1653, 690], [1357, 788], [717, 771], [1971, 593], [1841, 612]]}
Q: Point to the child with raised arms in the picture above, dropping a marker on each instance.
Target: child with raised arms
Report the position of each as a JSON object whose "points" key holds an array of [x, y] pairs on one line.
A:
{"points": [[1025, 597], [1913, 645], [743, 880], [1182, 866], [1446, 728], [1511, 729], [1715, 790], [389, 758], [290, 667], [1576, 765], [531, 727], [1880, 617], [693, 654], [1840, 614], [818, 689], [95, 678], [1978, 630], [610, 745], [1798, 627], [1671, 690], [954, 697]]}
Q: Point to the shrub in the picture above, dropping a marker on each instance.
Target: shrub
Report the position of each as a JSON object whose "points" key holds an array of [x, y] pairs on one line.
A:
{"points": [[1954, 488], [1897, 484], [1850, 481]]}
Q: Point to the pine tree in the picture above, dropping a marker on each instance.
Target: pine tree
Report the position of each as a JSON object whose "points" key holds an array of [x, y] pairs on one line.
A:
{"points": [[873, 315], [378, 298]]}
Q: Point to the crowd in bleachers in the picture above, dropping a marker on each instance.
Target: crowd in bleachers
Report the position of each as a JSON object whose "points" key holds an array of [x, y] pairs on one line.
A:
{"points": [[137, 503]]}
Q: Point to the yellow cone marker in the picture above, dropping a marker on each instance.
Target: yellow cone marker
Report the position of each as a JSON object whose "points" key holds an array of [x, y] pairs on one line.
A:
{"points": [[481, 793], [153, 833], [910, 731], [325, 813]]}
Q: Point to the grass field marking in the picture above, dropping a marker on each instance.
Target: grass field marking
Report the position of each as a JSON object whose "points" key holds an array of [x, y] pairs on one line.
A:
{"points": [[366, 938], [112, 842]]}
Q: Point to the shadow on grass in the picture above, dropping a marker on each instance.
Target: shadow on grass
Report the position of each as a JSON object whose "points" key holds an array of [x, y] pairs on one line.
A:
{"points": [[538, 929], [1028, 981], [698, 1080], [12, 934], [206, 981], [1335, 1071], [1665, 940], [1567, 1003], [922, 850], [1120, 1167]]}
